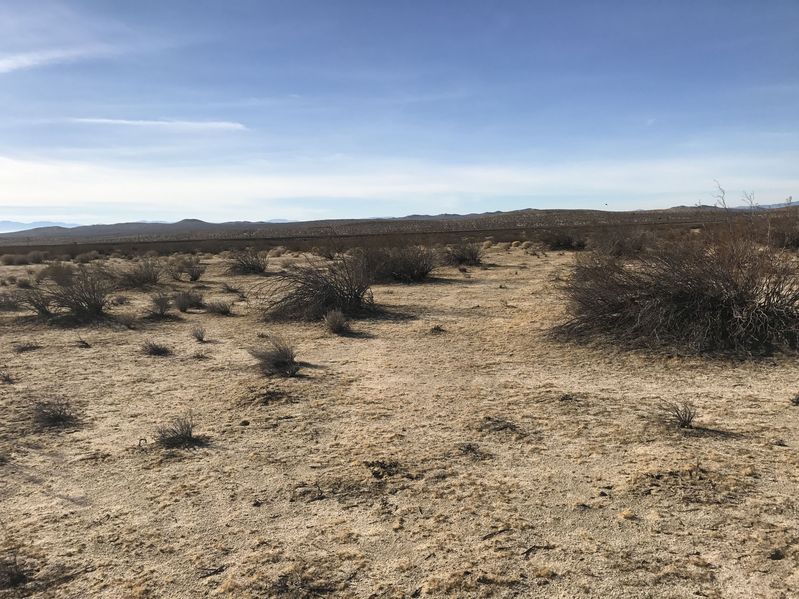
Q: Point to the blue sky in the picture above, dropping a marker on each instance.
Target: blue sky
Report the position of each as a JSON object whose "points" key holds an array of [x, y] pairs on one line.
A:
{"points": [[112, 110]]}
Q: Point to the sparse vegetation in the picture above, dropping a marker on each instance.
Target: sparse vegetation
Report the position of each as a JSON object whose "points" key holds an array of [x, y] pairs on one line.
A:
{"points": [[337, 323], [178, 433], [279, 358], [143, 274], [680, 415], [219, 307], [309, 292], [26, 346], [185, 300], [53, 413], [464, 254], [406, 264], [153, 348], [160, 304], [198, 332], [248, 262]]}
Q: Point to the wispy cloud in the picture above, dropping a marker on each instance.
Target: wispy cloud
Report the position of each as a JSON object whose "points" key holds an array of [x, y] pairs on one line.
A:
{"points": [[165, 124], [37, 58]]}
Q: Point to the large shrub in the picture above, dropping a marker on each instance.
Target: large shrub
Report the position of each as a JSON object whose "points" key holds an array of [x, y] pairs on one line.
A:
{"points": [[463, 253], [729, 297], [408, 264], [310, 291]]}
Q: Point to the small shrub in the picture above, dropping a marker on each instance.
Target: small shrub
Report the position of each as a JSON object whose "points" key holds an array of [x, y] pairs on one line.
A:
{"points": [[278, 358], [9, 303], [35, 257], [557, 241], [337, 323], [248, 262], [188, 265], [82, 343], [143, 274], [153, 348], [59, 273], [87, 296], [7, 259], [198, 332], [120, 300], [409, 264], [680, 415], [227, 288], [470, 254], [26, 346], [86, 257], [309, 292], [12, 572], [219, 307], [5, 377], [795, 400], [184, 300], [53, 413], [159, 304], [178, 433], [24, 284], [38, 300]]}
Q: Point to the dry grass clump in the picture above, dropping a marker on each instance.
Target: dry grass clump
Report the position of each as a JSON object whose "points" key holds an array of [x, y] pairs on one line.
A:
{"points": [[248, 262], [277, 359], [337, 323], [310, 291], [188, 265], [141, 275], [160, 304], [9, 303], [25, 346], [219, 307], [178, 433], [198, 332], [408, 264], [153, 348], [680, 415], [460, 254], [184, 300], [5, 377], [53, 413], [730, 297]]}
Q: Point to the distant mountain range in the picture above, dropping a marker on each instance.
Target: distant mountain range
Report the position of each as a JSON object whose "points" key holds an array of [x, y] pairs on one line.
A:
{"points": [[9, 226]]}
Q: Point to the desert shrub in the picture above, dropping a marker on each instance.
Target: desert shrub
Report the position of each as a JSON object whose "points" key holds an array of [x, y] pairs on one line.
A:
{"points": [[9, 303], [228, 288], [310, 291], [159, 304], [37, 300], [405, 264], [6, 377], [82, 343], [12, 573], [87, 295], [153, 348], [7, 259], [248, 262], [198, 332], [620, 242], [219, 307], [337, 323], [277, 252], [141, 275], [463, 253], [24, 284], [35, 257], [53, 413], [86, 257], [563, 240], [188, 265], [279, 358], [59, 273], [25, 346], [179, 432], [731, 297], [680, 415], [184, 300]]}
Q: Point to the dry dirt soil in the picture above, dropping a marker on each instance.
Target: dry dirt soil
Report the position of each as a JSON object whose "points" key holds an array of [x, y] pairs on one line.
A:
{"points": [[485, 460]]}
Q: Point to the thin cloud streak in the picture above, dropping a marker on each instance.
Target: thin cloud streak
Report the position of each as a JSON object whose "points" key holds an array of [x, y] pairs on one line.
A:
{"points": [[165, 124], [37, 58]]}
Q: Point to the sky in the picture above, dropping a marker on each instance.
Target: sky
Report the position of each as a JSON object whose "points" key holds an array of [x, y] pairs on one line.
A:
{"points": [[113, 111]]}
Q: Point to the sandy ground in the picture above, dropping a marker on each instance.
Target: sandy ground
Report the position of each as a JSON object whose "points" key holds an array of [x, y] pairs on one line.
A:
{"points": [[401, 463]]}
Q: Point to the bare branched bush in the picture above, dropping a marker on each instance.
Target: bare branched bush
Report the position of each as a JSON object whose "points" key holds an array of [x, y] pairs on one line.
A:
{"points": [[37, 300], [26, 346], [141, 275], [460, 254], [53, 413], [178, 433], [184, 300], [153, 348], [680, 415], [248, 262], [310, 291], [87, 295], [730, 297], [219, 307], [279, 358], [160, 304], [409, 264], [337, 323], [188, 265]]}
